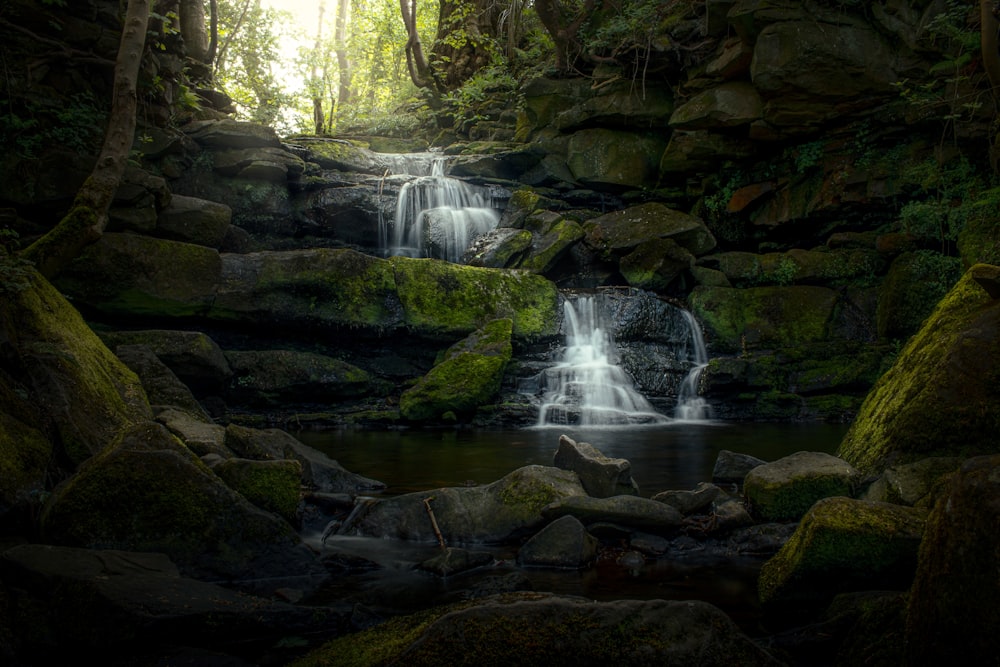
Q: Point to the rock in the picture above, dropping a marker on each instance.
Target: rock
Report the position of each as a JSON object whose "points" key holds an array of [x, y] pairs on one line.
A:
{"points": [[282, 377], [658, 632], [600, 476], [264, 163], [954, 603], [621, 232], [690, 502], [25, 453], [697, 150], [178, 507], [342, 155], [193, 356], [728, 105], [455, 561], [947, 368], [107, 601], [738, 319], [80, 391], [844, 545], [761, 540], [914, 484], [785, 489], [915, 284], [201, 436], [193, 220], [564, 543], [163, 388], [629, 511], [468, 376], [507, 508], [611, 159], [273, 486], [729, 514], [229, 133], [507, 164], [988, 278], [732, 467], [547, 249], [655, 264], [319, 471], [500, 248], [138, 275]]}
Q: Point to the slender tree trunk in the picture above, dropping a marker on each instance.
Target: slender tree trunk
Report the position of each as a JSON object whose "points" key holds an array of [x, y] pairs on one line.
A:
{"points": [[416, 61], [344, 94], [88, 216], [213, 31], [988, 28], [220, 61], [563, 27], [192, 19], [317, 80]]}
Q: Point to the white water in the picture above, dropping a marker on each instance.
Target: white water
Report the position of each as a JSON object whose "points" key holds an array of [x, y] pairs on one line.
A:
{"points": [[436, 216], [691, 406], [589, 388]]}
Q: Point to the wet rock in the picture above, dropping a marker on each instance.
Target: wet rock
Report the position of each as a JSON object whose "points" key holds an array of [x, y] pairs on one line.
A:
{"points": [[564, 543], [619, 233], [600, 476], [659, 632], [690, 502], [729, 514], [549, 248], [914, 285], [259, 164], [500, 248], [655, 264], [273, 486], [629, 511], [732, 467], [844, 545], [785, 489], [454, 561]]}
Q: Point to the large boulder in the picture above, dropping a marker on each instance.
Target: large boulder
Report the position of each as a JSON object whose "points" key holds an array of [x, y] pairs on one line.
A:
{"points": [[193, 356], [785, 489], [147, 492], [194, 220], [163, 388], [508, 508], [229, 133], [564, 543], [542, 629], [280, 377], [942, 395], [844, 545], [612, 159], [80, 393], [728, 105], [954, 604], [25, 453], [621, 232], [468, 376], [273, 486]]}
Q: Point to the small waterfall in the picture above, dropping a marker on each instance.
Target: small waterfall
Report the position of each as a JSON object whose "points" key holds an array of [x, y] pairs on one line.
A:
{"points": [[691, 406], [589, 388], [436, 216]]}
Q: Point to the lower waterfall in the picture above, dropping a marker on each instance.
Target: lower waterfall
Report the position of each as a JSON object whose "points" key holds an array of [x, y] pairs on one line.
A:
{"points": [[691, 406]]}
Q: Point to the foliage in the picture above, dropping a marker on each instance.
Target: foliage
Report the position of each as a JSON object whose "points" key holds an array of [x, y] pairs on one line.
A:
{"points": [[76, 126]]}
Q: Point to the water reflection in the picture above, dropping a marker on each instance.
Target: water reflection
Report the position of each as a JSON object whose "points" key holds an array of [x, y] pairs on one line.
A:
{"points": [[674, 456]]}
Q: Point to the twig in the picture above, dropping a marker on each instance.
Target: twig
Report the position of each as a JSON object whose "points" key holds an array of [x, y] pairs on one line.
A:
{"points": [[434, 523]]}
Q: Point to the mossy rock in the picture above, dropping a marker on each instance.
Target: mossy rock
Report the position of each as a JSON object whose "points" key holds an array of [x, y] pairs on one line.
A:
{"points": [[522, 203], [84, 395], [274, 486], [785, 489], [539, 628], [739, 319], [147, 492], [655, 264], [128, 274], [25, 454], [193, 356], [954, 604], [509, 508], [844, 545], [942, 395], [276, 377], [449, 300], [916, 282], [619, 233], [548, 248], [916, 484], [468, 377], [499, 249], [605, 158]]}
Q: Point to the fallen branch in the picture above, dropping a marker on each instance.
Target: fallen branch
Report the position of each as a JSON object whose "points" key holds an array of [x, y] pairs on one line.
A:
{"points": [[434, 523]]}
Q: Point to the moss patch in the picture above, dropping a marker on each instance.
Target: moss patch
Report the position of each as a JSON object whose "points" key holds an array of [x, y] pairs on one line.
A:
{"points": [[270, 485]]}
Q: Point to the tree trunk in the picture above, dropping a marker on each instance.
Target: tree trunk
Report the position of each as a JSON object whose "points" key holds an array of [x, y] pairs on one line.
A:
{"points": [[416, 61], [88, 216], [563, 27], [344, 93], [192, 19], [317, 79], [466, 38], [988, 28], [213, 36]]}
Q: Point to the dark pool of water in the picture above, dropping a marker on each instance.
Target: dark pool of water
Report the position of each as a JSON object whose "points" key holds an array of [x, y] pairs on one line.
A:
{"points": [[675, 456]]}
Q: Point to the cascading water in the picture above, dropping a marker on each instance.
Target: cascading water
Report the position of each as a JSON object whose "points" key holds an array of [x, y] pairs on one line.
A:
{"points": [[691, 406], [436, 216], [588, 387]]}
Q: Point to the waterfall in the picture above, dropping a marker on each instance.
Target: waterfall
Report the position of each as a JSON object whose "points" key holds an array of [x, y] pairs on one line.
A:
{"points": [[436, 216], [691, 406], [588, 387]]}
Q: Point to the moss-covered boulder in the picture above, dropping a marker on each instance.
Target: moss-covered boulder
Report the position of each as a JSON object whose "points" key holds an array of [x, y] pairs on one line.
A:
{"points": [[128, 274], [163, 388], [564, 543], [844, 545], [200, 435], [500, 248], [277, 377], [655, 264], [468, 376], [551, 246], [147, 492], [274, 486], [508, 508], [25, 454], [738, 319], [627, 510], [942, 395], [916, 484], [193, 356], [954, 604], [727, 105], [785, 489], [619, 233], [537, 629], [450, 300], [82, 395], [915, 283], [615, 159], [194, 220]]}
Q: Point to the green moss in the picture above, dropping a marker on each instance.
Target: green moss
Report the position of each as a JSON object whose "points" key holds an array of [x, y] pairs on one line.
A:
{"points": [[25, 454], [552, 246], [271, 485], [842, 544], [915, 283], [58, 246], [942, 395]]}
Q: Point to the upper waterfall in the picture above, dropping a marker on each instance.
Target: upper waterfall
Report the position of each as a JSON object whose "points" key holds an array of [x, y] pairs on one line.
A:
{"points": [[436, 215]]}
